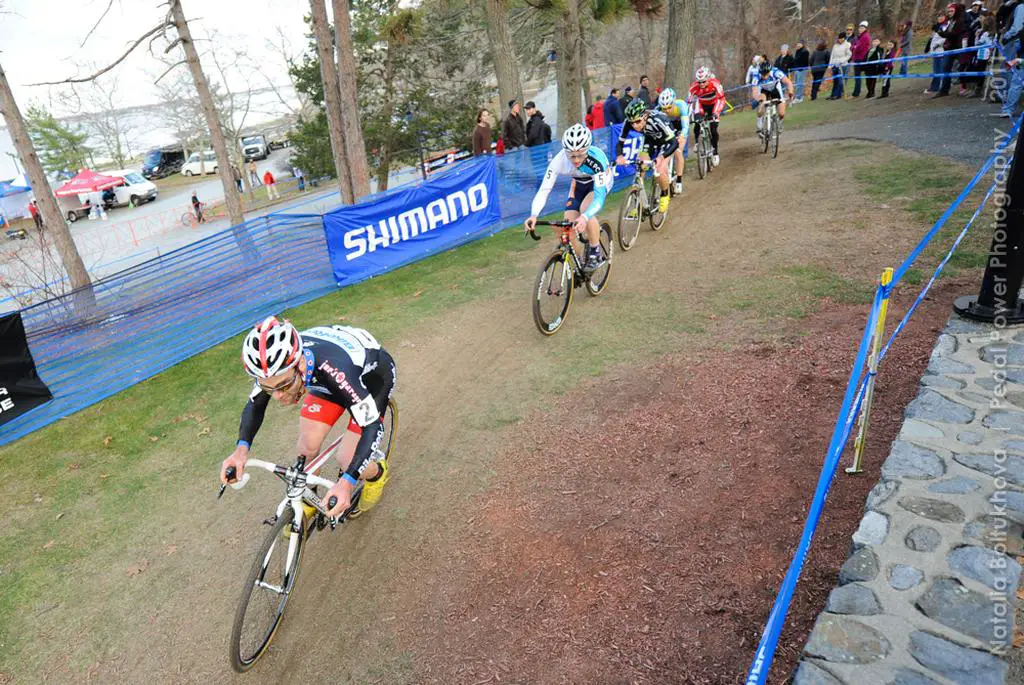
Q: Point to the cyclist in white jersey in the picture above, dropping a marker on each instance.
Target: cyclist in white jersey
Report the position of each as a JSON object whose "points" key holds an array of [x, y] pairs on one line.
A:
{"points": [[592, 178]]}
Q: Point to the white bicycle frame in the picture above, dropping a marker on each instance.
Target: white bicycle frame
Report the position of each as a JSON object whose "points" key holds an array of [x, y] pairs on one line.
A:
{"points": [[299, 490]]}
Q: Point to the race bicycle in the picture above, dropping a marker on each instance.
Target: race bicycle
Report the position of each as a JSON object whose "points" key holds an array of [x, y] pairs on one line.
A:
{"points": [[770, 127], [563, 272], [705, 153], [639, 204], [271, 580]]}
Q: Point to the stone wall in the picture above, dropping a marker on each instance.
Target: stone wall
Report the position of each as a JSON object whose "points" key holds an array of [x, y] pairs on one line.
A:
{"points": [[928, 594]]}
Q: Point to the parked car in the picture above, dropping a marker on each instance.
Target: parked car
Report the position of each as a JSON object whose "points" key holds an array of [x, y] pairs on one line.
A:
{"points": [[135, 191], [163, 161], [192, 166]]}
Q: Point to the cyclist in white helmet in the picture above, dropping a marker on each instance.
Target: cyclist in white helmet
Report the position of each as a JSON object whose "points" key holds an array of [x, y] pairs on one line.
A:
{"points": [[592, 178], [678, 113], [342, 368]]}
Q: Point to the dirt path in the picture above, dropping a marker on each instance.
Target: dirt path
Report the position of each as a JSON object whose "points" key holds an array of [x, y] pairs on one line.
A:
{"points": [[688, 406]]}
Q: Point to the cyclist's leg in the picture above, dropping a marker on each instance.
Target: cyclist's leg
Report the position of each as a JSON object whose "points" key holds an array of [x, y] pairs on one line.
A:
{"points": [[593, 226], [782, 107], [381, 384], [316, 419], [714, 135]]}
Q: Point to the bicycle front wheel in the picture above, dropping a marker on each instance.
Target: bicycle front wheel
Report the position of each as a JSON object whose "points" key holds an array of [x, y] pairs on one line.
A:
{"points": [[656, 217], [188, 220], [266, 591], [554, 293], [629, 220], [775, 137], [702, 158], [766, 131], [598, 279]]}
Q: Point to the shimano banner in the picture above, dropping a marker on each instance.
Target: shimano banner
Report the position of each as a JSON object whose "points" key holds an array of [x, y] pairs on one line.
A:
{"points": [[412, 223], [20, 387]]}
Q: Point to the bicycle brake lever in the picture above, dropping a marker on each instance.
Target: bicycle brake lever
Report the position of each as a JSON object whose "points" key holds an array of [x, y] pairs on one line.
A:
{"points": [[222, 489], [533, 234]]}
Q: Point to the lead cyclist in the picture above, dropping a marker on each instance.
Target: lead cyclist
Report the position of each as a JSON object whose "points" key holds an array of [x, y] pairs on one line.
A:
{"points": [[592, 178]]}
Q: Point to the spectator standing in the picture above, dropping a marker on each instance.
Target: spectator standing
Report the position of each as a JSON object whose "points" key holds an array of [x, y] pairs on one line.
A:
{"points": [[598, 113], [934, 48], [819, 64], [851, 33], [644, 93], [537, 130], [237, 176], [271, 183], [1012, 17], [860, 47], [627, 97], [986, 38], [784, 62], [37, 219], [954, 32], [892, 52], [254, 174], [297, 172], [751, 79], [482, 133], [839, 59], [513, 130], [801, 61], [906, 33], [875, 54], [613, 109]]}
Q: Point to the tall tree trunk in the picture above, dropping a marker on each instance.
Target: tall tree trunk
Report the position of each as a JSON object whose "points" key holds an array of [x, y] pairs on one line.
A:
{"points": [[913, 15], [886, 9], [682, 29], [355, 146], [645, 44], [588, 97], [570, 108], [860, 8], [231, 199], [384, 167], [52, 216], [506, 68], [332, 97]]}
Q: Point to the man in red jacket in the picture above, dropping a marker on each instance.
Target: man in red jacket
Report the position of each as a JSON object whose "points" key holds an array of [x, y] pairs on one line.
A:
{"points": [[859, 47], [597, 113]]}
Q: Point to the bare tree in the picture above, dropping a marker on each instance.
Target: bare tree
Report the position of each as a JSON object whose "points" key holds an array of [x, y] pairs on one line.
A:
{"points": [[332, 97], [682, 30], [100, 107], [355, 146], [52, 217], [570, 106], [506, 67]]}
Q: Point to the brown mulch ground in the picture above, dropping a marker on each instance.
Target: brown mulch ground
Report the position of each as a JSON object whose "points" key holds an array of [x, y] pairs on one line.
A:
{"points": [[640, 529]]}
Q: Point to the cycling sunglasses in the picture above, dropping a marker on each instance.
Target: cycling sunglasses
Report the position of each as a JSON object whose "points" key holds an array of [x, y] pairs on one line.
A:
{"points": [[282, 385]]}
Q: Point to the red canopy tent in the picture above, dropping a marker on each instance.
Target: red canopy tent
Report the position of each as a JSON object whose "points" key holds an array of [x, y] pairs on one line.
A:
{"points": [[87, 181]]}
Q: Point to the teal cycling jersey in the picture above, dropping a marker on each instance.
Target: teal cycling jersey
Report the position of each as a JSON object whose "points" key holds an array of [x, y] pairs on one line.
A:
{"points": [[595, 169]]}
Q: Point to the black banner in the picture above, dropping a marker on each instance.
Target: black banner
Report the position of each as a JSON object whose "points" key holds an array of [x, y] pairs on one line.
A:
{"points": [[20, 387]]}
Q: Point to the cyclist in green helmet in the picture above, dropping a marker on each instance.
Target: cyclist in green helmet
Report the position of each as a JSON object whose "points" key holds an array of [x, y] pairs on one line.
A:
{"points": [[660, 142]]}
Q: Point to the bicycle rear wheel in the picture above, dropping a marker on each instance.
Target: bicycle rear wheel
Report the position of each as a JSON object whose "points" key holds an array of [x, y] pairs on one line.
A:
{"points": [[629, 220], [266, 591], [703, 157], [553, 294], [775, 136], [598, 279]]}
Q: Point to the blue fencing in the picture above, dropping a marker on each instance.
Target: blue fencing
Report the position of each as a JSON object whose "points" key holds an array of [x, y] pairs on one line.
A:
{"points": [[850, 408], [151, 316]]}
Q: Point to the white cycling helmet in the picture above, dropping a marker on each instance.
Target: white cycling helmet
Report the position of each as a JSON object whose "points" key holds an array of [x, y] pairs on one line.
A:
{"points": [[667, 97], [703, 74], [272, 346], [577, 137]]}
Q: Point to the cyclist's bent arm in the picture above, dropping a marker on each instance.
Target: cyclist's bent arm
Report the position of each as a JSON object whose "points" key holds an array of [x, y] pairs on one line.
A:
{"points": [[620, 145], [252, 416], [600, 192]]}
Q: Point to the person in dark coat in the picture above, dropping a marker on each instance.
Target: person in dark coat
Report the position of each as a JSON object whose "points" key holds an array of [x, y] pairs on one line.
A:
{"points": [[784, 62], [537, 130], [513, 129], [819, 65], [875, 54], [644, 93], [955, 33], [801, 60], [627, 97], [613, 109]]}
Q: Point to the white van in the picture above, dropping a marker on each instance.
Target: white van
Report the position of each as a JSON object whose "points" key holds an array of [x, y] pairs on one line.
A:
{"points": [[192, 168], [136, 189]]}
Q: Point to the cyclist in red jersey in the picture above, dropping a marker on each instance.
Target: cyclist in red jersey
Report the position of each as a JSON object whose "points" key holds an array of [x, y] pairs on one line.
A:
{"points": [[707, 98]]}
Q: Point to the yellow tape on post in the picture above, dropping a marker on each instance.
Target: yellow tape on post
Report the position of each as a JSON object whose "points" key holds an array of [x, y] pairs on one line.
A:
{"points": [[876, 346]]}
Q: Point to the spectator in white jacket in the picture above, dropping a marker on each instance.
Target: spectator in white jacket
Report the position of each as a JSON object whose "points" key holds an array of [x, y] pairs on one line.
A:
{"points": [[841, 54], [752, 79]]}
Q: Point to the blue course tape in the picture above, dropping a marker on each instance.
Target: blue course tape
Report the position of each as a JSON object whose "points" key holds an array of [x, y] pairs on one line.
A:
{"points": [[852, 400], [776, 619]]}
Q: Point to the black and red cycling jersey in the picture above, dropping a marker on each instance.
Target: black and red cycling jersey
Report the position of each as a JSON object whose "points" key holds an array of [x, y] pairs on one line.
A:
{"points": [[708, 94], [346, 369]]}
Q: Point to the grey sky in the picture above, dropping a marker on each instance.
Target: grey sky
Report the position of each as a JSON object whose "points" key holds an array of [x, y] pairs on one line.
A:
{"points": [[41, 38]]}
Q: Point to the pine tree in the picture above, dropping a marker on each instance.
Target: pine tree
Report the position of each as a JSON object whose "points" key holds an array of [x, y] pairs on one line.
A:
{"points": [[60, 147]]}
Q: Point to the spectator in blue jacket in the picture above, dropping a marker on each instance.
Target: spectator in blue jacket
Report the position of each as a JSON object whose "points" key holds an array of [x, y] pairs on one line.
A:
{"points": [[612, 109]]}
